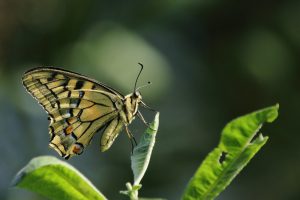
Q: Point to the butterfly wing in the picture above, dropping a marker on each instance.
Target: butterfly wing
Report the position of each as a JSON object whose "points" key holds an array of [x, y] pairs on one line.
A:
{"points": [[77, 106]]}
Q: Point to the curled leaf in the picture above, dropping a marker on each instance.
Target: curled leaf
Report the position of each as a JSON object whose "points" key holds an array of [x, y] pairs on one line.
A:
{"points": [[141, 155]]}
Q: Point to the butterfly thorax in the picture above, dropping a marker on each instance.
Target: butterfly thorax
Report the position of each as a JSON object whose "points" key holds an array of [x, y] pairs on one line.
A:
{"points": [[130, 108]]}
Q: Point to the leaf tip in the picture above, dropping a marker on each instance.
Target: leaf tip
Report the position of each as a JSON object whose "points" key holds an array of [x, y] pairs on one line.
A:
{"points": [[273, 114], [156, 120], [17, 179], [157, 114]]}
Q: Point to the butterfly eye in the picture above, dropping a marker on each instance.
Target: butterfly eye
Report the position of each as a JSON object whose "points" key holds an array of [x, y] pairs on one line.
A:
{"points": [[137, 93]]}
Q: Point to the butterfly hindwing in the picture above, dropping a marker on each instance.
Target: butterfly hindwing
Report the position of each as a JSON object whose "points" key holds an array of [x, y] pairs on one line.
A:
{"points": [[110, 133], [77, 106]]}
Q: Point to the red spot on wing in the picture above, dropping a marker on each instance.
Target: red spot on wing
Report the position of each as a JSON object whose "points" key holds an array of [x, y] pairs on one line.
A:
{"points": [[77, 149], [69, 130]]}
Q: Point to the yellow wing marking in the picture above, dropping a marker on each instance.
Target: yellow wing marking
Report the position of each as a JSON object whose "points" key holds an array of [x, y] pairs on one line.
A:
{"points": [[77, 106]]}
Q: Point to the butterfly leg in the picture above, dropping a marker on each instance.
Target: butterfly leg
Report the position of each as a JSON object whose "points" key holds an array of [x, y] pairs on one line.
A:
{"points": [[139, 114], [132, 138], [148, 107]]}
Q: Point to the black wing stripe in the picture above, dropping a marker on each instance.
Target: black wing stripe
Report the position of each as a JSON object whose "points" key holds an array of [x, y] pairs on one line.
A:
{"points": [[69, 98]]}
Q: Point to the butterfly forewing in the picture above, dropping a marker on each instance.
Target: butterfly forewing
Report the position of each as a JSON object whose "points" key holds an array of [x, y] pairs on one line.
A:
{"points": [[78, 106]]}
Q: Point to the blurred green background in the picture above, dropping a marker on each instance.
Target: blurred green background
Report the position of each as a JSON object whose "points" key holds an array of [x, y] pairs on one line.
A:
{"points": [[209, 61]]}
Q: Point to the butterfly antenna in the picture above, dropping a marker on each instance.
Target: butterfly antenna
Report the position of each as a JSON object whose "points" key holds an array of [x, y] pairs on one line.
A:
{"points": [[137, 78], [149, 83]]}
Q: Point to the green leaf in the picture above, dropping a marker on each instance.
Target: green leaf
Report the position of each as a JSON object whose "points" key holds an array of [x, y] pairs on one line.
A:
{"points": [[55, 179], [141, 155], [140, 159], [236, 148]]}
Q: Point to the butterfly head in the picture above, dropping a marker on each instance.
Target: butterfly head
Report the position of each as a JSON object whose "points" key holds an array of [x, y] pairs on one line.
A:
{"points": [[137, 95], [133, 100]]}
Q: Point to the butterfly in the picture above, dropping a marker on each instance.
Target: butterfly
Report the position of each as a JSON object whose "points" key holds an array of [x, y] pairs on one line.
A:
{"points": [[79, 106]]}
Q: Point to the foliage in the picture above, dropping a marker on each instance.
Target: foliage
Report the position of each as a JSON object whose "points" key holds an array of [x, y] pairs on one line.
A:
{"points": [[236, 148], [56, 179]]}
